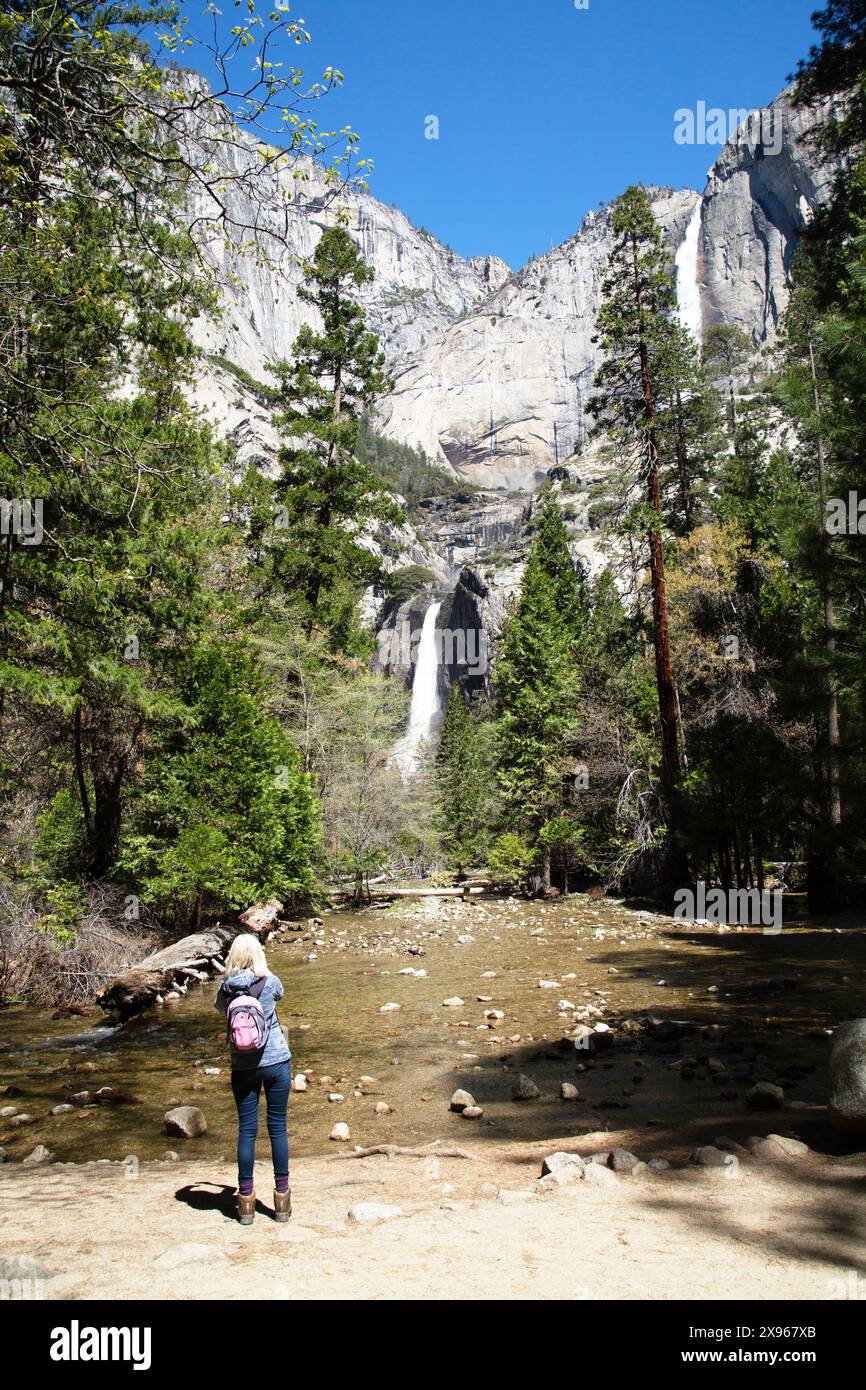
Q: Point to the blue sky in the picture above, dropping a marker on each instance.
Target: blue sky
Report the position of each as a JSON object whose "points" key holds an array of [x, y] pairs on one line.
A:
{"points": [[545, 110]]}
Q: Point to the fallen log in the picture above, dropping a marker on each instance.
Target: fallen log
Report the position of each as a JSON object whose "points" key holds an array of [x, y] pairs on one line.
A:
{"points": [[389, 894], [136, 989], [191, 958]]}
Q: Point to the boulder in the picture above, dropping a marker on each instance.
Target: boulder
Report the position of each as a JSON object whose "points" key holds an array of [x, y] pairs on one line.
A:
{"points": [[472, 1112], [186, 1121], [524, 1088], [848, 1077]]}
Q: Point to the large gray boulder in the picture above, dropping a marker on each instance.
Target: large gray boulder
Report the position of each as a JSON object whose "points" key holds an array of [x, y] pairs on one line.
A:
{"points": [[848, 1077]]}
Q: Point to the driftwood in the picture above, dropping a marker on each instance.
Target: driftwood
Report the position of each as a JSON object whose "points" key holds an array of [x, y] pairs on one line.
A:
{"points": [[193, 958], [397, 1150], [136, 989]]}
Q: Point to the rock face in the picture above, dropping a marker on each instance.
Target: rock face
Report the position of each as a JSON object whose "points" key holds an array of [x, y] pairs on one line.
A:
{"points": [[492, 370], [500, 396], [756, 204], [848, 1077]]}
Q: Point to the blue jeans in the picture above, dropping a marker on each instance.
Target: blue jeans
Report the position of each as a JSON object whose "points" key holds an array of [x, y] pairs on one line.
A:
{"points": [[247, 1087]]}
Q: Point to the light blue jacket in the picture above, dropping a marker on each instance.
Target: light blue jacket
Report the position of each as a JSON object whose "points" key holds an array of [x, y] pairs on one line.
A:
{"points": [[276, 1048]]}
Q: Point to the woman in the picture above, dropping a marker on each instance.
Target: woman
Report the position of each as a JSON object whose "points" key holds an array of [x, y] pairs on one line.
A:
{"points": [[267, 1063]]}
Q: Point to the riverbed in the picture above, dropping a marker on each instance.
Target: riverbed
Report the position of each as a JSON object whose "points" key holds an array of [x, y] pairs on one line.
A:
{"points": [[758, 1007]]}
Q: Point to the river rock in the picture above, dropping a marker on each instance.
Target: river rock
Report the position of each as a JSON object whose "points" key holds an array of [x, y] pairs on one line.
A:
{"points": [[340, 1132], [524, 1088], [473, 1112], [561, 1177], [61, 1109], [729, 1146], [596, 1175], [367, 1213], [553, 1162], [382, 1108], [18, 1120], [186, 1121], [389, 1008], [569, 1092], [41, 1154], [765, 1096], [454, 1003], [708, 1156], [460, 1100], [107, 1095], [10, 1092], [778, 1148], [300, 1083], [622, 1161], [848, 1077], [4, 1157]]}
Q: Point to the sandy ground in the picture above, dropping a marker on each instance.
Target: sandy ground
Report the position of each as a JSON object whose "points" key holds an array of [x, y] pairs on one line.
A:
{"points": [[793, 1231]]}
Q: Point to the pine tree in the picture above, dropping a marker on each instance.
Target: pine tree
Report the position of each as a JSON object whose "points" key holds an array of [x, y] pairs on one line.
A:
{"points": [[461, 782], [636, 335], [325, 497], [537, 683]]}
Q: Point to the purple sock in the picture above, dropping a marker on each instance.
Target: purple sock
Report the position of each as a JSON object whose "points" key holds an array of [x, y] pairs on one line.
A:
{"points": [[246, 1187], [282, 1184]]}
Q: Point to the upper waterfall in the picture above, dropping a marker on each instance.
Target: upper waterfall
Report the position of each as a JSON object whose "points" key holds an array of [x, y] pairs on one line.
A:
{"points": [[425, 697], [688, 289]]}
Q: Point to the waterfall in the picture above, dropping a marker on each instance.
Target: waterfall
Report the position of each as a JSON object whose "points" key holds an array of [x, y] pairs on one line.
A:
{"points": [[688, 289], [425, 698]]}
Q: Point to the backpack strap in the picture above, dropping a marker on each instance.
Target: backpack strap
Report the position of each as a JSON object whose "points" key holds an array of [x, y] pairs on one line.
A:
{"points": [[257, 987]]}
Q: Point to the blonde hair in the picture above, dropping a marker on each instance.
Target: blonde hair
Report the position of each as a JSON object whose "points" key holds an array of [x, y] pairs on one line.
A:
{"points": [[246, 953]]}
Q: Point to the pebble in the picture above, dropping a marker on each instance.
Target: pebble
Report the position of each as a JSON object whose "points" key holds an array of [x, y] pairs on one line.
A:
{"points": [[300, 1083], [335, 1097], [453, 1003], [340, 1132], [472, 1112], [61, 1109], [388, 1008], [383, 1108], [569, 1092]]}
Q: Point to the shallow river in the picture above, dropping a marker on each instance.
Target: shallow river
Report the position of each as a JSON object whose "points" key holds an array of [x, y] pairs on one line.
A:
{"points": [[623, 962]]}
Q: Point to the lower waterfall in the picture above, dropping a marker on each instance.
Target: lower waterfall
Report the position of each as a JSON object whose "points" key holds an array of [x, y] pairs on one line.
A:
{"points": [[425, 698]]}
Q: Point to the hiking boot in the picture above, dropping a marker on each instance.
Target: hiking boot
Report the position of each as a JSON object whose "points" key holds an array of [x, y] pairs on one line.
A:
{"points": [[282, 1205], [246, 1208]]}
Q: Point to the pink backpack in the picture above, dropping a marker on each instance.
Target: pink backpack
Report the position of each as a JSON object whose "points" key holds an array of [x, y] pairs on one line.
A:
{"points": [[246, 1024]]}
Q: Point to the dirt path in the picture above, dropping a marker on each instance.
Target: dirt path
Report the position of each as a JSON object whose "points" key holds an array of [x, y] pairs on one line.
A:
{"points": [[791, 1232]]}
